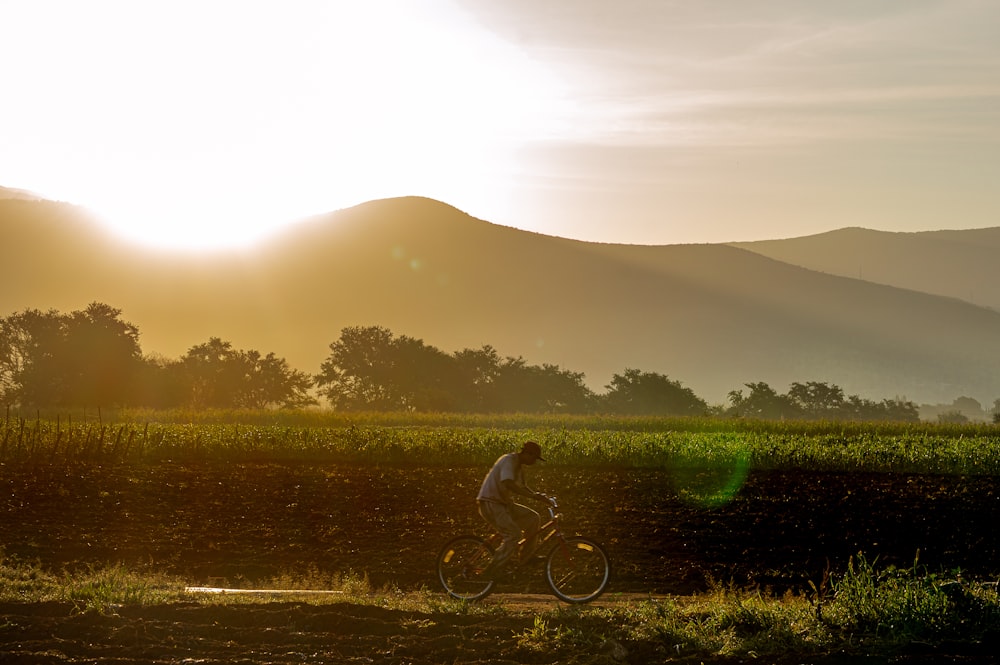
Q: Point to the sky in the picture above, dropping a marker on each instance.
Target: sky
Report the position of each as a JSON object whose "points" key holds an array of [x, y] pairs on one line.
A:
{"points": [[212, 123]]}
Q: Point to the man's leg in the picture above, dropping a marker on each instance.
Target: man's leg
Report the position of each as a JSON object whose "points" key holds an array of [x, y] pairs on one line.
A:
{"points": [[497, 516], [528, 522]]}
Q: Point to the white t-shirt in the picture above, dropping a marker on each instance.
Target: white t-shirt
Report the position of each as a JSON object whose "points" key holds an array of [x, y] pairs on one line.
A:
{"points": [[507, 467]]}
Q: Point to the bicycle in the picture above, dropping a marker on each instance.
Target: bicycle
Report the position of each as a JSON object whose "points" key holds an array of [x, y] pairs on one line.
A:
{"points": [[577, 569]]}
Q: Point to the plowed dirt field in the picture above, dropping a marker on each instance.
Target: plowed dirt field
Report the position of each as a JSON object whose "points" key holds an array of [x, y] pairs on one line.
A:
{"points": [[236, 525]]}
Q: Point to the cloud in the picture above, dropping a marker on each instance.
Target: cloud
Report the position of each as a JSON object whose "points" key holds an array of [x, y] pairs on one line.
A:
{"points": [[766, 73]]}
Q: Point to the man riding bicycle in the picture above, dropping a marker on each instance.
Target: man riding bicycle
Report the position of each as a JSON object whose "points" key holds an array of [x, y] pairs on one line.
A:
{"points": [[497, 506]]}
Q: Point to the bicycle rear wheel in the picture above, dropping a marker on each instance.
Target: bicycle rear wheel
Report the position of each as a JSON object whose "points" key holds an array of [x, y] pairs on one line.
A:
{"points": [[578, 570], [460, 567]]}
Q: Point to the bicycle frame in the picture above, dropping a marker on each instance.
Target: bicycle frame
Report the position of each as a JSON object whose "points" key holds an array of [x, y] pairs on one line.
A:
{"points": [[546, 532]]}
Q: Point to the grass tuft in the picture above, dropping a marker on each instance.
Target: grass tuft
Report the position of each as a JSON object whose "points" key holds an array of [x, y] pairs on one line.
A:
{"points": [[867, 610]]}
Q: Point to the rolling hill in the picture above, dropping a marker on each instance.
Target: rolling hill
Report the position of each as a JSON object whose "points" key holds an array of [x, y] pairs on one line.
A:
{"points": [[959, 264], [710, 316], [23, 194]]}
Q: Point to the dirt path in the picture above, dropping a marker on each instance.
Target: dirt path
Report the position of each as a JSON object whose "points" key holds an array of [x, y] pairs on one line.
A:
{"points": [[519, 602]]}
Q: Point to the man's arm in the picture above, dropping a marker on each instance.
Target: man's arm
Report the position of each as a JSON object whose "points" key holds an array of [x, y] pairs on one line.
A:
{"points": [[514, 487]]}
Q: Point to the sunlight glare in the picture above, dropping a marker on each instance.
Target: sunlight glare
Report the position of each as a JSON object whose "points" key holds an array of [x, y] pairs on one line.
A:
{"points": [[203, 125]]}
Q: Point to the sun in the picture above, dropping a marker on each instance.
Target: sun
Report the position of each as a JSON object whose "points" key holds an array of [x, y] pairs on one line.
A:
{"points": [[207, 125]]}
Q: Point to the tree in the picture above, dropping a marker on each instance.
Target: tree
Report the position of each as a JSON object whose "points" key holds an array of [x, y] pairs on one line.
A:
{"points": [[888, 410], [32, 342], [762, 403], [819, 401], [648, 393], [970, 407], [269, 381], [218, 376], [211, 373], [85, 358], [359, 373], [476, 372], [161, 383], [10, 364], [522, 388], [369, 368], [425, 378], [102, 356], [898, 410], [953, 417]]}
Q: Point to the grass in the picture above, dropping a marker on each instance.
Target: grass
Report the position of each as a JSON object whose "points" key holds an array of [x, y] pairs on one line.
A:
{"points": [[91, 589], [866, 610]]}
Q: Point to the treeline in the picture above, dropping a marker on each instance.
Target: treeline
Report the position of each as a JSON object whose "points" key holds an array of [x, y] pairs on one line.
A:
{"points": [[92, 358]]}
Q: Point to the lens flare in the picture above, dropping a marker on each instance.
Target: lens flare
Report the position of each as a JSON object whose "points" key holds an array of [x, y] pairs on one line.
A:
{"points": [[710, 481]]}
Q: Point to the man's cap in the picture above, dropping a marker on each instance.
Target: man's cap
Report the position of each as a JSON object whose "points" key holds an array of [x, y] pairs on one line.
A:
{"points": [[532, 448]]}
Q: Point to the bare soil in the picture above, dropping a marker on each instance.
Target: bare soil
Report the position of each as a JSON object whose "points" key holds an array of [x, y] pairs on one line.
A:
{"points": [[238, 525]]}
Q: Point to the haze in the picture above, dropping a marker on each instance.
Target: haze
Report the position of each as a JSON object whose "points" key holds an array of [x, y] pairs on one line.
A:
{"points": [[203, 124]]}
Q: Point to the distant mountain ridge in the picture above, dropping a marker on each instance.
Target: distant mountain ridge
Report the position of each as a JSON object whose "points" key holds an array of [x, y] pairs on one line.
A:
{"points": [[710, 316], [957, 264]]}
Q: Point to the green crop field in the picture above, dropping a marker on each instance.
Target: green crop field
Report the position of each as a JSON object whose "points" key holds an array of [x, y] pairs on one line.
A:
{"points": [[443, 440]]}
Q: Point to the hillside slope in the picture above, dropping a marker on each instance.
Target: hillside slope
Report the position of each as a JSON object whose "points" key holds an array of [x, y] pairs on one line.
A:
{"points": [[959, 264], [9, 193], [711, 316]]}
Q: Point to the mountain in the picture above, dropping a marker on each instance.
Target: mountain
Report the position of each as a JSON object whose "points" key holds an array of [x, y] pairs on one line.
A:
{"points": [[10, 193], [958, 264], [710, 316]]}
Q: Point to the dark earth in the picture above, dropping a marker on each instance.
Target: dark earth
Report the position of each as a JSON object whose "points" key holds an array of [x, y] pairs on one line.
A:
{"points": [[239, 525]]}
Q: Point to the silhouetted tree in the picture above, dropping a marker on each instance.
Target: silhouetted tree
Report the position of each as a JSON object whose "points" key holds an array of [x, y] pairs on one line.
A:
{"points": [[212, 374], [218, 376], [32, 346], [818, 401], [648, 393], [970, 407], [424, 378], [269, 382], [369, 368], [522, 388], [10, 367], [762, 402], [161, 383], [359, 373], [896, 410], [953, 418], [476, 372], [86, 358], [102, 357]]}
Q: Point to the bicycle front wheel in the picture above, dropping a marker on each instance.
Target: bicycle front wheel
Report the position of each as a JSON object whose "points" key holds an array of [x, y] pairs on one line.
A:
{"points": [[460, 567], [578, 570]]}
